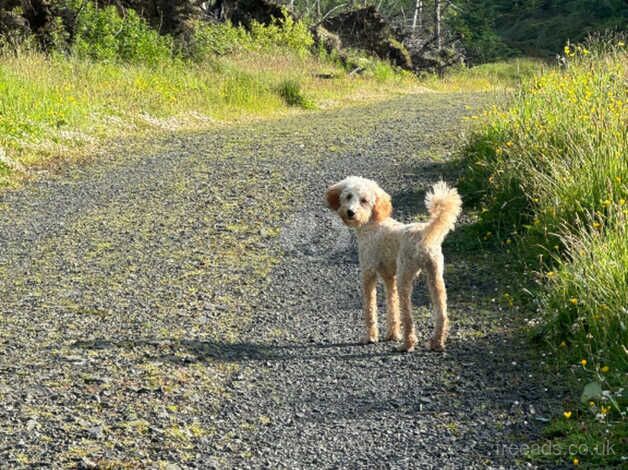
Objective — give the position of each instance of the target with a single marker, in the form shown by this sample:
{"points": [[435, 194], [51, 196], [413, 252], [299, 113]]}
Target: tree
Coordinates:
{"points": [[418, 16], [437, 25]]}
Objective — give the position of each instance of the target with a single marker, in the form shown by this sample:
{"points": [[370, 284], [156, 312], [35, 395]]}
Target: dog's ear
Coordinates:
{"points": [[383, 206], [333, 196]]}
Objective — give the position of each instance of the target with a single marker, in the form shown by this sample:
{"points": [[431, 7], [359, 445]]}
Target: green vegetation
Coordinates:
{"points": [[494, 76], [550, 176], [119, 77], [495, 29], [290, 91], [102, 34]]}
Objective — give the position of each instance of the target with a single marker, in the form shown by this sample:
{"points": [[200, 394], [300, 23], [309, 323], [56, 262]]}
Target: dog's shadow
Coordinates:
{"points": [[190, 351]]}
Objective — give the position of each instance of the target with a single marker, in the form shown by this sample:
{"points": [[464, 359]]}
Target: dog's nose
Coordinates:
{"points": [[350, 213]]}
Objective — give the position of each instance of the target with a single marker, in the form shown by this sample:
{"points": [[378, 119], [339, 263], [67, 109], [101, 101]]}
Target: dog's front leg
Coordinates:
{"points": [[369, 297], [392, 309]]}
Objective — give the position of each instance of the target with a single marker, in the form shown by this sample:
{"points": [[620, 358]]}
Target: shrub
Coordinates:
{"points": [[282, 33], [211, 39], [103, 34], [290, 91]]}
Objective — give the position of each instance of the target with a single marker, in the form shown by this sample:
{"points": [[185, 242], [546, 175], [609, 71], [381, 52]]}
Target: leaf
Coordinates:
{"points": [[591, 391]]}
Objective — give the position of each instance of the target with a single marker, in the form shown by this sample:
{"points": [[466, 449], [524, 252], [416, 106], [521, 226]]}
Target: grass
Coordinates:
{"points": [[549, 174], [486, 77], [67, 105], [60, 107]]}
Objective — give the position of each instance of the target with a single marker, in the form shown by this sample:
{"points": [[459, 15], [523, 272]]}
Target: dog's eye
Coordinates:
{"points": [[363, 200], [349, 196]]}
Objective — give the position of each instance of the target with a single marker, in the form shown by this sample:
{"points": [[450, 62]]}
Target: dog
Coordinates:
{"points": [[398, 253]]}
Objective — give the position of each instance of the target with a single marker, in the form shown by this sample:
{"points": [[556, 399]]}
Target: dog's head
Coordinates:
{"points": [[359, 201]]}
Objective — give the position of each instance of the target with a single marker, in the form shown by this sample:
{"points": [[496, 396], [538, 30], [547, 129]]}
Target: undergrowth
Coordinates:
{"points": [[118, 77], [549, 174]]}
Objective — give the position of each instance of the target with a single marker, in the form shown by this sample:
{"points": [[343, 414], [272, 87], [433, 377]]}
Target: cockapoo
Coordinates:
{"points": [[398, 253]]}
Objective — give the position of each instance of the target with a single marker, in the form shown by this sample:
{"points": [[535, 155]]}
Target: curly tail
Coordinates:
{"points": [[444, 205]]}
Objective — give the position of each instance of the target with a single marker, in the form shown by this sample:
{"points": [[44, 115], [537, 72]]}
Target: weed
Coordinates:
{"points": [[291, 92]]}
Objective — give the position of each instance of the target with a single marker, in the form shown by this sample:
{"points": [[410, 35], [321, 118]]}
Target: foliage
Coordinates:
{"points": [[550, 172], [211, 39], [291, 92], [60, 106], [282, 33], [493, 29], [493, 76], [550, 176], [103, 34]]}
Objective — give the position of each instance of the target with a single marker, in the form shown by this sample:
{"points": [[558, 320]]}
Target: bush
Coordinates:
{"points": [[551, 172], [211, 39], [103, 34], [282, 33], [290, 91]]}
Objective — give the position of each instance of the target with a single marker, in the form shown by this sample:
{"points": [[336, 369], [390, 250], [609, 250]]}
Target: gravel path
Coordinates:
{"points": [[194, 304]]}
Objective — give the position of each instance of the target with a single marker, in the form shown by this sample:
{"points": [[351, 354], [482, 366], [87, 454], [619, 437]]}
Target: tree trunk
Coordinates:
{"points": [[439, 39], [418, 16]]}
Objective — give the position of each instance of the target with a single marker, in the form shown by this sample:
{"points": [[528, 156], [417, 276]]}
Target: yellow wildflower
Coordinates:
{"points": [[551, 274], [567, 414], [596, 225], [605, 369], [583, 362], [576, 461], [563, 344], [605, 409], [573, 300]]}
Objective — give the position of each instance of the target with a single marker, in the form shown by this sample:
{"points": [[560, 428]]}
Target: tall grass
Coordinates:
{"points": [[551, 172], [486, 77], [119, 77], [550, 176]]}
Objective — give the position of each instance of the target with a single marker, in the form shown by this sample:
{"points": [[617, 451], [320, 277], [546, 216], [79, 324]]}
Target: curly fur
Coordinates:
{"points": [[398, 253]]}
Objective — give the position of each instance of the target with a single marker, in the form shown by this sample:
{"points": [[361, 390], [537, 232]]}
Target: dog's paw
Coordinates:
{"points": [[408, 345], [369, 339], [394, 335], [434, 344]]}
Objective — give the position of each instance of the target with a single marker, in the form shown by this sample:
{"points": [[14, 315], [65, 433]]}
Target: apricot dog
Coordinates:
{"points": [[398, 253]]}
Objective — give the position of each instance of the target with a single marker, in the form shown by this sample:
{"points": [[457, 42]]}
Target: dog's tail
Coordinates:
{"points": [[444, 205]]}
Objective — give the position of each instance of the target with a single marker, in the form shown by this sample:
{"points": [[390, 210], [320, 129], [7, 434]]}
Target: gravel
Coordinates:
{"points": [[191, 304]]}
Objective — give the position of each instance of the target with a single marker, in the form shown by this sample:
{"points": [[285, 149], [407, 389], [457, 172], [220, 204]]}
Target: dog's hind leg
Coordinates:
{"points": [[369, 297], [438, 294], [392, 309]]}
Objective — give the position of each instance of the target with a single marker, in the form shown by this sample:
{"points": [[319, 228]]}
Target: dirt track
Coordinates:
{"points": [[197, 305]]}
